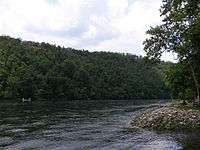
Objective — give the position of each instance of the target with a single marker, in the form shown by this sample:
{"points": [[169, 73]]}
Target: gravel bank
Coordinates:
{"points": [[168, 118]]}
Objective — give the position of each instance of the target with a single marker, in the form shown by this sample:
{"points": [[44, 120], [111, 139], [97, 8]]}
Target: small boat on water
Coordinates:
{"points": [[26, 100]]}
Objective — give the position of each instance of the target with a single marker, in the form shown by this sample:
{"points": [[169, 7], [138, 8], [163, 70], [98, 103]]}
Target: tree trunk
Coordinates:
{"points": [[196, 83]]}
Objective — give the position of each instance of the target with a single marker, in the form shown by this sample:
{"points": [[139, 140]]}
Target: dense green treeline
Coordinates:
{"points": [[44, 71]]}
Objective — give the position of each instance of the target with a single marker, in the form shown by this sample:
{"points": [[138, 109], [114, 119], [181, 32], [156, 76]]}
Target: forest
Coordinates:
{"points": [[46, 71], [43, 71]]}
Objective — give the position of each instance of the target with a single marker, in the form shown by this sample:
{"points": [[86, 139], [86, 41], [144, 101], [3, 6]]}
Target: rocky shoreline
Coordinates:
{"points": [[168, 117]]}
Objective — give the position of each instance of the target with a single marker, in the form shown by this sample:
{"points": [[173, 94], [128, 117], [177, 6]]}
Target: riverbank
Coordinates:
{"points": [[169, 117]]}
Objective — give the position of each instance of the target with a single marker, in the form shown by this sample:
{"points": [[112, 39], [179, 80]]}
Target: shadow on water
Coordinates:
{"points": [[83, 125], [191, 143]]}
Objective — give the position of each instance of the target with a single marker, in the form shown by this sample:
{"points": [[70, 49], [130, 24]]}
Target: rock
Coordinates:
{"points": [[168, 118]]}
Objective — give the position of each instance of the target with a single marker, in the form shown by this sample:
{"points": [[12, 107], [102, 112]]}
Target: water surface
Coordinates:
{"points": [[84, 125]]}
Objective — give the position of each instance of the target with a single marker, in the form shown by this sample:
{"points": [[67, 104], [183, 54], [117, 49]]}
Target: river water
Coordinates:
{"points": [[84, 125]]}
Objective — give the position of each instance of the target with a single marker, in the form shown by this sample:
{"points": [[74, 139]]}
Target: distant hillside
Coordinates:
{"points": [[41, 70]]}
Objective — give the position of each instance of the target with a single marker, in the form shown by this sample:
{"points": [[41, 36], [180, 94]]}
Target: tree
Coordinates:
{"points": [[45, 71], [180, 34]]}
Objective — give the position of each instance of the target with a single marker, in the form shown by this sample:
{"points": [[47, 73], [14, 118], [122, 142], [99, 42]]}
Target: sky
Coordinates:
{"points": [[94, 25]]}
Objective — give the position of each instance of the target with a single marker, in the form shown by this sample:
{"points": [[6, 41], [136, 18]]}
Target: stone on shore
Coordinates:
{"points": [[169, 118]]}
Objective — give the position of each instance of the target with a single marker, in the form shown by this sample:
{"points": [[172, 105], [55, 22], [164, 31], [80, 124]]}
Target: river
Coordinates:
{"points": [[84, 125]]}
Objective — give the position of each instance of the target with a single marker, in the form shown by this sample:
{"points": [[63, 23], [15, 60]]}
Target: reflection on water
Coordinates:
{"points": [[83, 125]]}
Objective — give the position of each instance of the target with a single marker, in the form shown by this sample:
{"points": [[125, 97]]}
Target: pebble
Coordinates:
{"points": [[170, 118]]}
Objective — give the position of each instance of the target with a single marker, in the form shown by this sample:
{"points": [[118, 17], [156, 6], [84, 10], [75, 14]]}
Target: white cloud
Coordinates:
{"points": [[114, 25]]}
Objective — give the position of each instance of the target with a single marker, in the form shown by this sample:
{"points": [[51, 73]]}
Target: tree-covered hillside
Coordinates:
{"points": [[44, 71]]}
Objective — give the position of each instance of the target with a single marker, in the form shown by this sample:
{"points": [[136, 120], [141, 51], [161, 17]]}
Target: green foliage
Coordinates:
{"points": [[180, 34], [177, 78], [44, 71]]}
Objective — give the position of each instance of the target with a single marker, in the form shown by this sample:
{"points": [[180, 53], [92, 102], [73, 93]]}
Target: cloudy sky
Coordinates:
{"points": [[95, 25]]}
